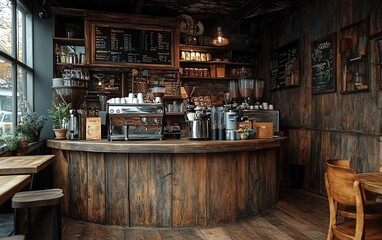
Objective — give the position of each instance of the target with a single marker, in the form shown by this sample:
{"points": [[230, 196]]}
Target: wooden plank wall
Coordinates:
{"points": [[331, 125]]}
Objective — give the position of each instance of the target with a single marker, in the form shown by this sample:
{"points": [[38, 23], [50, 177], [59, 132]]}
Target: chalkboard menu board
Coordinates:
{"points": [[285, 66], [125, 45], [323, 64]]}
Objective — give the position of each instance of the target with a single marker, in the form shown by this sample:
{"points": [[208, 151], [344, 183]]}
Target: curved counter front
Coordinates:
{"points": [[170, 183]]}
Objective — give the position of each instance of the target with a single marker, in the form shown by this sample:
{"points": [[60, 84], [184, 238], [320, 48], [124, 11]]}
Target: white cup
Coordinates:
{"points": [[265, 105], [131, 97], [117, 100], [191, 116], [270, 107], [140, 97], [256, 107], [135, 100], [158, 99]]}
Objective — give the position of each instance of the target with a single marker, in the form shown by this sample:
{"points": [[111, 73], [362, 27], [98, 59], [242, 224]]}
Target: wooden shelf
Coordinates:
{"points": [[69, 41], [218, 62], [208, 78], [212, 48], [174, 114], [172, 97]]}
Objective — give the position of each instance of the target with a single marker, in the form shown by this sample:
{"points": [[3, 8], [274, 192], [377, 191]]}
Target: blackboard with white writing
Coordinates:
{"points": [[122, 45], [323, 64], [280, 57]]}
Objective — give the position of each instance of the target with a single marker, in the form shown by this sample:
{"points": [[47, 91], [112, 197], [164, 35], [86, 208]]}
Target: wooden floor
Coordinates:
{"points": [[298, 215]]}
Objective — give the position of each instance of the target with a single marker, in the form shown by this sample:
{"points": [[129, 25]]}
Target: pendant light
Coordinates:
{"points": [[219, 39]]}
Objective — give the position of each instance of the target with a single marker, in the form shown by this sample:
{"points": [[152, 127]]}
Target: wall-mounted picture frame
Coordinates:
{"points": [[324, 64]]}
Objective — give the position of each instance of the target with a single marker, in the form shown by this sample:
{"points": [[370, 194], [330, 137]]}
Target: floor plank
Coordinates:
{"points": [[298, 215]]}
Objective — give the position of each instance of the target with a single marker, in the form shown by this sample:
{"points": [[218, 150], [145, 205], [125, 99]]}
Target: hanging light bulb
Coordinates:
{"points": [[220, 40]]}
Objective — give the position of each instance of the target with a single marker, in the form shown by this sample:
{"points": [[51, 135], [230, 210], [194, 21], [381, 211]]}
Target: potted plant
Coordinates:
{"points": [[9, 144], [59, 114], [245, 132], [30, 127]]}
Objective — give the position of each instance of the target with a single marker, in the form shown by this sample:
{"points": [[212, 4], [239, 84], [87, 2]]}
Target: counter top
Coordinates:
{"points": [[165, 146]]}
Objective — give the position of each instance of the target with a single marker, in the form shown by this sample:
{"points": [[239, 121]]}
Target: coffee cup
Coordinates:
{"points": [[265, 105], [270, 107]]}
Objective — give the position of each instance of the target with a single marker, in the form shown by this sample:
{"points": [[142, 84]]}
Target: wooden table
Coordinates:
{"points": [[11, 184], [30, 164], [371, 181]]}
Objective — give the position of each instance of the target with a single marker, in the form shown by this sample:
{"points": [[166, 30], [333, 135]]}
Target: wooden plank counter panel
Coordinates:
{"points": [[222, 189], [150, 190], [168, 189], [78, 182], [117, 185], [189, 188], [96, 188], [61, 179], [242, 185]]}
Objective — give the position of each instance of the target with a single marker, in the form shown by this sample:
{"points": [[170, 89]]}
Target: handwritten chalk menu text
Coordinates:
{"points": [[285, 66], [132, 46], [323, 65]]}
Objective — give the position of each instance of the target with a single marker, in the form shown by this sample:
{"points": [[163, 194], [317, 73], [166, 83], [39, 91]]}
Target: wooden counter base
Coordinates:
{"points": [[166, 184]]}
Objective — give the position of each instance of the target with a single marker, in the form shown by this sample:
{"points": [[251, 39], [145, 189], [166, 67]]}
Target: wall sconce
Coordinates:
{"points": [[44, 12]]}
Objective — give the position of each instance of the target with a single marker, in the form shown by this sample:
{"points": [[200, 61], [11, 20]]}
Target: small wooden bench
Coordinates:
{"points": [[12, 184]]}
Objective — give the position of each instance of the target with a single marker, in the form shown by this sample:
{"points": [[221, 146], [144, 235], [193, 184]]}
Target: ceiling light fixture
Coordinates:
{"points": [[219, 39]]}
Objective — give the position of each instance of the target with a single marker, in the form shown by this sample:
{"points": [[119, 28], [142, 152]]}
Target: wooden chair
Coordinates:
{"points": [[344, 188], [39, 198], [373, 209]]}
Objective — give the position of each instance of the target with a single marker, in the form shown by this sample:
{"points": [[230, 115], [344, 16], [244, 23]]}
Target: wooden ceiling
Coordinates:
{"points": [[230, 13]]}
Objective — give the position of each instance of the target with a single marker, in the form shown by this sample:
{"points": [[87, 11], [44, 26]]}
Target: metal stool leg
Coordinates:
{"points": [[56, 220]]}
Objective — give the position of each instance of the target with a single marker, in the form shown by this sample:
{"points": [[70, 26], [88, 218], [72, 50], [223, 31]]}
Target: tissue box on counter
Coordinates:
{"points": [[263, 129]]}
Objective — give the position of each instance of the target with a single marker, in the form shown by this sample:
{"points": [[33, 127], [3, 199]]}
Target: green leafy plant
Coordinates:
{"points": [[248, 132], [30, 127], [59, 113], [9, 143]]}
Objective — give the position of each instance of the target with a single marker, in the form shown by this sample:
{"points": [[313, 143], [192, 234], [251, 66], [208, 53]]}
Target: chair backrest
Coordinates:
{"points": [[344, 188], [339, 162]]}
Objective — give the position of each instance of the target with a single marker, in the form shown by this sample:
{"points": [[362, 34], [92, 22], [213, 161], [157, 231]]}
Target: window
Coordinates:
{"points": [[16, 61]]}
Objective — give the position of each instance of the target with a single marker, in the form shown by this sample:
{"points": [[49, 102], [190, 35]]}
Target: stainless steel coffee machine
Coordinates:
{"points": [[128, 121]]}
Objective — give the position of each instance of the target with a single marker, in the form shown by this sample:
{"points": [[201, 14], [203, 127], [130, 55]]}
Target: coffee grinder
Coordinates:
{"points": [[258, 91], [246, 89], [76, 96]]}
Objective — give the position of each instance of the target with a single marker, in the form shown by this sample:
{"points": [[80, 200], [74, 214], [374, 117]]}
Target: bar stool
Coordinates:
{"points": [[15, 237], [39, 198]]}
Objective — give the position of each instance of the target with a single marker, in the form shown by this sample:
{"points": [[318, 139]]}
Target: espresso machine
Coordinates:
{"points": [[135, 121]]}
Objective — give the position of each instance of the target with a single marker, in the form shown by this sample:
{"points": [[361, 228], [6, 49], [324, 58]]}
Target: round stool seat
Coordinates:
{"points": [[39, 198], [15, 237]]}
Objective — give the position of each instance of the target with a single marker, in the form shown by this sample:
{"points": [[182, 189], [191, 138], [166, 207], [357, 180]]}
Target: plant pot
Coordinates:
{"points": [[23, 144], [60, 134]]}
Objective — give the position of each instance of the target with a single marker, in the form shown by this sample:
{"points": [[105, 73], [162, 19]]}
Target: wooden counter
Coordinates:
{"points": [[171, 183]]}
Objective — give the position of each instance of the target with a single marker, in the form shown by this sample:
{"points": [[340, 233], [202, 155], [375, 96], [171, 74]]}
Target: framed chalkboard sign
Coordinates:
{"points": [[285, 66], [126, 44], [324, 64]]}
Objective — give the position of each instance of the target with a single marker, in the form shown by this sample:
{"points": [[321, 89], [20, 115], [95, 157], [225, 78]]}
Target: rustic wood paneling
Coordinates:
{"points": [[331, 125], [189, 190], [168, 190], [221, 185], [96, 188], [150, 190], [78, 181], [61, 177], [117, 189], [242, 184]]}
